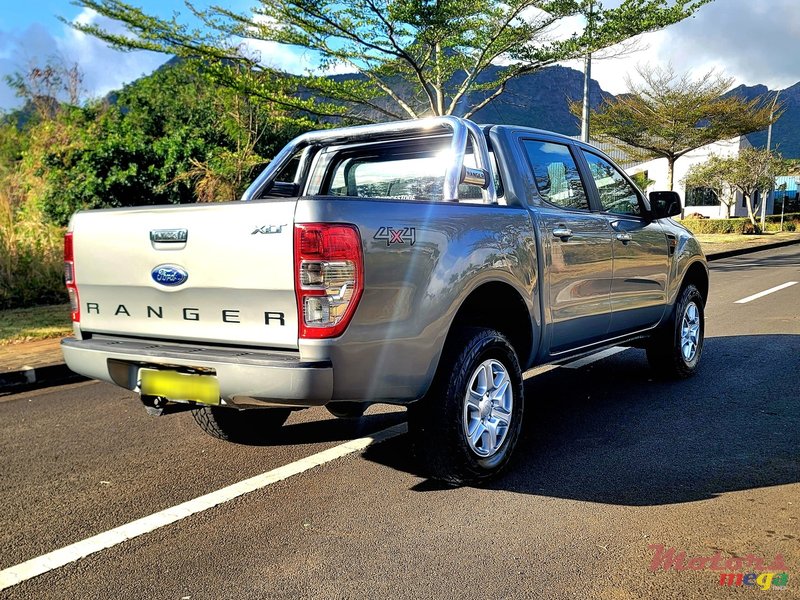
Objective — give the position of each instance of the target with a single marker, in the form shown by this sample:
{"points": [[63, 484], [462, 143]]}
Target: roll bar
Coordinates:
{"points": [[455, 172]]}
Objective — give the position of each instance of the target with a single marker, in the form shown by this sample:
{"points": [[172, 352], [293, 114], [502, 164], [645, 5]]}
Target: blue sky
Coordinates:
{"points": [[755, 41]]}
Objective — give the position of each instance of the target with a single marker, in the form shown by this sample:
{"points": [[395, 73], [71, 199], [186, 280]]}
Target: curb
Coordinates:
{"points": [[750, 249], [38, 377], [59, 374]]}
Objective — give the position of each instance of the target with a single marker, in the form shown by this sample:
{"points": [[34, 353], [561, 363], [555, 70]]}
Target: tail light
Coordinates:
{"points": [[69, 278], [329, 275]]}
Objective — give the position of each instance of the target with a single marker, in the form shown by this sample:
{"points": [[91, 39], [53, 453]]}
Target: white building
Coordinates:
{"points": [[697, 202]]}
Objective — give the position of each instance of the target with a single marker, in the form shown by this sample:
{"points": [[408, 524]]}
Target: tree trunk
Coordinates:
{"points": [[671, 182]]}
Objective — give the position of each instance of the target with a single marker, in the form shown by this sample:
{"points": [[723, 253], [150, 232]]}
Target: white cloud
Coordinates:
{"points": [[753, 42], [104, 69]]}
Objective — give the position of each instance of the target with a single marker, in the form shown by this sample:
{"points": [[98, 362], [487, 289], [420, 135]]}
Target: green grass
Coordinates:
{"points": [[38, 323]]}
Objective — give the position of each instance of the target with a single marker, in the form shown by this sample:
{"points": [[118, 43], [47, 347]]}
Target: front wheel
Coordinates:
{"points": [[675, 352], [249, 426], [467, 426]]}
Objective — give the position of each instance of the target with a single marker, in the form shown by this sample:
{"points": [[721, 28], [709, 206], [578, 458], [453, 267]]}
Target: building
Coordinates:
{"points": [[700, 200]]}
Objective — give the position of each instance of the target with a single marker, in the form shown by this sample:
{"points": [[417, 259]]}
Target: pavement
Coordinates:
{"points": [[612, 464], [39, 364]]}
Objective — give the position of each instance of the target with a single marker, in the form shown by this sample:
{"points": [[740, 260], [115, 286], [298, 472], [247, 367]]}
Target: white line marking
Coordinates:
{"points": [[538, 371], [777, 288], [63, 556], [587, 360]]}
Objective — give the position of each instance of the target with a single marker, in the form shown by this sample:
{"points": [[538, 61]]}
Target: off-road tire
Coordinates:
{"points": [[250, 426], [437, 422], [665, 351]]}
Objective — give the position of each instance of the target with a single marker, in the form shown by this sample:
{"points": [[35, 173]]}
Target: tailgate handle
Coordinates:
{"points": [[167, 239]]}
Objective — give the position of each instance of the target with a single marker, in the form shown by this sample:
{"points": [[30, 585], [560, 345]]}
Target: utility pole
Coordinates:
{"points": [[769, 147], [587, 78]]}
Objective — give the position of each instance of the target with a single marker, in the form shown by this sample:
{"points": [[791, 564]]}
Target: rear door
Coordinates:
{"points": [[576, 243], [215, 273], [641, 252]]}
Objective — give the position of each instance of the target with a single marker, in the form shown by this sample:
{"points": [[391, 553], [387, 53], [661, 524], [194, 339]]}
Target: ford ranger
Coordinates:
{"points": [[425, 263]]}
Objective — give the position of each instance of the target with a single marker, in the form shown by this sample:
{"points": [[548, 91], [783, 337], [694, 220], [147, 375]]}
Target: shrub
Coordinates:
{"points": [[715, 225], [31, 258]]}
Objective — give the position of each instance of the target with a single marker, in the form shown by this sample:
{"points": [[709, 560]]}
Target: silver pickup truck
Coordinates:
{"points": [[424, 263]]}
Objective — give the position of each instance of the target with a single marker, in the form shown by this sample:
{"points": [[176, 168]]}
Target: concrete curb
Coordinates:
{"points": [[37, 377], [59, 374], [750, 249]]}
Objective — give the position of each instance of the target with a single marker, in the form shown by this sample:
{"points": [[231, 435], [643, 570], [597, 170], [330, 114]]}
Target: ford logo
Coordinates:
{"points": [[170, 275]]}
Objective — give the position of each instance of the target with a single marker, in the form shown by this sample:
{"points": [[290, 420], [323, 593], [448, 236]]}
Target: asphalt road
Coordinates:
{"points": [[611, 461]]}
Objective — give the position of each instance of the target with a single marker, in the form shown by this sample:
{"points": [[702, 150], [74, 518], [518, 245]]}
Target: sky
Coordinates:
{"points": [[753, 41]]}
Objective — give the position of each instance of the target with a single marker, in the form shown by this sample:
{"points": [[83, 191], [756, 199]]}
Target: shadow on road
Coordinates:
{"points": [[610, 433], [746, 262]]}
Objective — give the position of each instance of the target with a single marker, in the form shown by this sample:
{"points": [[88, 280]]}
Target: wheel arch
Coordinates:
{"points": [[697, 274], [498, 305]]}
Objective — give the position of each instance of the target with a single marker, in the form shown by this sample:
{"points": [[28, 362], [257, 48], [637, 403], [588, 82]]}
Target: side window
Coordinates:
{"points": [[616, 194], [556, 174]]}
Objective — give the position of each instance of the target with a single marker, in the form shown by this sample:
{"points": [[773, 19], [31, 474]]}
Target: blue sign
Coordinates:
{"points": [[169, 275]]}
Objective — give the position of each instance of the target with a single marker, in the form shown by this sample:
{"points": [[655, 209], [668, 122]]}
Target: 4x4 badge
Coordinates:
{"points": [[400, 235]]}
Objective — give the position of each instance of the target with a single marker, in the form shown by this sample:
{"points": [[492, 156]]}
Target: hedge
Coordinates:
{"points": [[742, 225]]}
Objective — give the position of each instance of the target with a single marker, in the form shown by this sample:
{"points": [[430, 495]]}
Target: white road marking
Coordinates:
{"points": [[777, 288], [538, 371], [587, 360], [576, 364], [58, 558]]}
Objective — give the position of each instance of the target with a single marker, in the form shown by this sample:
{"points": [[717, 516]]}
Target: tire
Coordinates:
{"points": [[465, 429], [675, 351], [250, 426], [347, 410]]}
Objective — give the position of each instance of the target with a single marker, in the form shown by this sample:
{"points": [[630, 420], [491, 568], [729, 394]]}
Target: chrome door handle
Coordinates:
{"points": [[624, 237], [563, 233]]}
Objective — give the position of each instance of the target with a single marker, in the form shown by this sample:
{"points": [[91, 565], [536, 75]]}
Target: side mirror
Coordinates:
{"points": [[665, 204]]}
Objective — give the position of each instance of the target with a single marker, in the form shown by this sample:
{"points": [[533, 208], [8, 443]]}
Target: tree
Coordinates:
{"points": [[714, 175], [750, 172], [409, 58], [667, 115]]}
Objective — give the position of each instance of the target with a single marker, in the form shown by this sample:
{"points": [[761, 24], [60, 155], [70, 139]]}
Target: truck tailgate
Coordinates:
{"points": [[221, 273]]}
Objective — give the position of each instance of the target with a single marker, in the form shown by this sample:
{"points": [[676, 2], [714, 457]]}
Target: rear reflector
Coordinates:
{"points": [[329, 277]]}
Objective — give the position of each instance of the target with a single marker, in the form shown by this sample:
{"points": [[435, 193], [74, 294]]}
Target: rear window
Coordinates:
{"points": [[396, 173]]}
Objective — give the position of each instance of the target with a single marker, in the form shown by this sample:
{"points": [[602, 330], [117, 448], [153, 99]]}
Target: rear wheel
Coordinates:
{"points": [[244, 426], [675, 351], [467, 426]]}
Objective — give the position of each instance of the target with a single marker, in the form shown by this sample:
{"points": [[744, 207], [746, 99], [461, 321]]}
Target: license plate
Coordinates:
{"points": [[179, 386]]}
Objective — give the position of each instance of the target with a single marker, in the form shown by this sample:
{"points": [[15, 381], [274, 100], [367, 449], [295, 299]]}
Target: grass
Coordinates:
{"points": [[738, 238], [38, 323]]}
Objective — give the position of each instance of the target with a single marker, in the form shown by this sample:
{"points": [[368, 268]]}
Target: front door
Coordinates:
{"points": [[641, 251]]}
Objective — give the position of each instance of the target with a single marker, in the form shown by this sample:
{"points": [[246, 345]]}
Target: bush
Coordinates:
{"points": [[716, 225], [741, 225], [31, 258]]}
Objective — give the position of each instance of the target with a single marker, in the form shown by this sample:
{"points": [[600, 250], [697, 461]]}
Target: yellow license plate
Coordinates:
{"points": [[179, 386]]}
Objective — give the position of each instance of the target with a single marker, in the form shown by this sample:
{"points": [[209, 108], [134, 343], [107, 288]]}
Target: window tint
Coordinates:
{"points": [[616, 194], [556, 174]]}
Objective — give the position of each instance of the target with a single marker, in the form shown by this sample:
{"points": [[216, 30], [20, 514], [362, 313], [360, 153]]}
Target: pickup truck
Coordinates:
{"points": [[425, 263]]}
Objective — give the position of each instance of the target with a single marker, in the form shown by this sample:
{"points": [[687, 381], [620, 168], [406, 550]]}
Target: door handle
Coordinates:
{"points": [[624, 237], [563, 233]]}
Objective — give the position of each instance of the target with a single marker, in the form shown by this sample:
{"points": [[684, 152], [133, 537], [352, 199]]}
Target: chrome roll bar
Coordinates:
{"points": [[455, 172]]}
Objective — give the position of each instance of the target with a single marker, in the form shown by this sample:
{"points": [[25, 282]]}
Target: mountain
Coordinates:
{"points": [[786, 130]]}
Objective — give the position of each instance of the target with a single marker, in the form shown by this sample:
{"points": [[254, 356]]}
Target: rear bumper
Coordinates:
{"points": [[246, 377]]}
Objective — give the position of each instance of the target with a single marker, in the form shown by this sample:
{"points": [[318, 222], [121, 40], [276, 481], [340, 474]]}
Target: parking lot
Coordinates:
{"points": [[612, 461]]}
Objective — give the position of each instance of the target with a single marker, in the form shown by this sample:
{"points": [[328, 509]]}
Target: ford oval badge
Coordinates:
{"points": [[169, 275]]}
